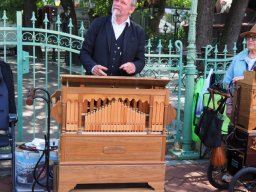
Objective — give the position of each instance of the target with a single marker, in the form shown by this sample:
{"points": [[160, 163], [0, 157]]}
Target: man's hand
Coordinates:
{"points": [[128, 67], [99, 70], [237, 78]]}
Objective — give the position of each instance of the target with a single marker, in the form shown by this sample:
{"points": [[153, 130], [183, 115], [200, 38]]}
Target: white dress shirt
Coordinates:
{"points": [[119, 28]]}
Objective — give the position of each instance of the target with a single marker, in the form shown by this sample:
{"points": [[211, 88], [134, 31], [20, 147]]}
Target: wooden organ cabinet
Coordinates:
{"points": [[246, 102], [243, 140], [112, 130]]}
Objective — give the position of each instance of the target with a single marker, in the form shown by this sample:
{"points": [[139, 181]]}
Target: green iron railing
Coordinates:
{"points": [[161, 62], [32, 73], [46, 40], [166, 62], [218, 61]]}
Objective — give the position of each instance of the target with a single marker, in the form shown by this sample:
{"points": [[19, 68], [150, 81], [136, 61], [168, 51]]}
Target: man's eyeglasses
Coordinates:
{"points": [[251, 37]]}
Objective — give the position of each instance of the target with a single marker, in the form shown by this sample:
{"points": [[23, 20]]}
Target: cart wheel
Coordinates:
{"points": [[215, 176], [244, 180]]}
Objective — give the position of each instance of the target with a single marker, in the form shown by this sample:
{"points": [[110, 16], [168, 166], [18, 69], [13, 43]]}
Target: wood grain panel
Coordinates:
{"points": [[98, 148], [153, 174]]}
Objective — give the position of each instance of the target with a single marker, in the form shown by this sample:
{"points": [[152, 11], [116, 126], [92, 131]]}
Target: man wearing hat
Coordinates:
{"points": [[244, 61]]}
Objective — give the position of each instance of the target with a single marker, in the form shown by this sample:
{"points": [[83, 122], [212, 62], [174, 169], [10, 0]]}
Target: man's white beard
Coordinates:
{"points": [[117, 13]]}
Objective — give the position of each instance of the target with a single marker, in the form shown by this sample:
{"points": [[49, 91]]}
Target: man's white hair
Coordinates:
{"points": [[134, 2]]}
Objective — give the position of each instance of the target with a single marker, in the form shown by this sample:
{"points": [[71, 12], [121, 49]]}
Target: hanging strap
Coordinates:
{"points": [[213, 101], [221, 106], [223, 99], [209, 100]]}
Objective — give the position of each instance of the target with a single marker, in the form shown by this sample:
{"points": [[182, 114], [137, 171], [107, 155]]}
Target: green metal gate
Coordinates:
{"points": [[59, 51], [50, 42]]}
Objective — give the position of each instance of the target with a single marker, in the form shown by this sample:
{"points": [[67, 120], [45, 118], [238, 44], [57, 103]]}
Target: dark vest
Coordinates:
{"points": [[4, 103], [115, 58]]}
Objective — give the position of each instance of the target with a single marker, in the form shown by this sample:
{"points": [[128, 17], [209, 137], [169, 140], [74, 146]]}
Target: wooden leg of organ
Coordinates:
{"points": [[157, 186], [71, 175]]}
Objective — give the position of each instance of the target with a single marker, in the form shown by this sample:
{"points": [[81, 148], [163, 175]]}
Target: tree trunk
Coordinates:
{"points": [[233, 23], [157, 14], [29, 7], [204, 29]]}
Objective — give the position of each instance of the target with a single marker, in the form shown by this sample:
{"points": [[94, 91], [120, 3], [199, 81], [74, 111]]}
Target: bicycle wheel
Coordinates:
{"points": [[244, 180], [215, 176]]}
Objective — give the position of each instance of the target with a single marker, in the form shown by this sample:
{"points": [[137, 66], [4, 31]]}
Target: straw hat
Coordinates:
{"points": [[248, 33]]}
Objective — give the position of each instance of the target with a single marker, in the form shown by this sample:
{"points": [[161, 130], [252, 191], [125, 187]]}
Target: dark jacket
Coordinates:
{"points": [[96, 47], [8, 79]]}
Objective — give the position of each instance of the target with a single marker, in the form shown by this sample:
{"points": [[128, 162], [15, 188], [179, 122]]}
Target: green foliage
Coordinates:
{"points": [[182, 35], [168, 18], [39, 3], [179, 3], [103, 7], [11, 6]]}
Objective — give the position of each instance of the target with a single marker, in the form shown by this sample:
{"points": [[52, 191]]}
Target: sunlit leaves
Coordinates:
{"points": [[179, 3], [11, 6], [103, 7]]}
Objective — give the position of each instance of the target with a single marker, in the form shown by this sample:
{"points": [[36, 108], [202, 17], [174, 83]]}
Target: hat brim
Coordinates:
{"points": [[247, 33]]}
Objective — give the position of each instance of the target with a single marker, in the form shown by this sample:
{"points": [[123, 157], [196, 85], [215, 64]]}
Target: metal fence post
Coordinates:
{"points": [[19, 73], [190, 72]]}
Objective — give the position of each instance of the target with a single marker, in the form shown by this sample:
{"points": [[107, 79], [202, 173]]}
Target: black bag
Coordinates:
{"points": [[208, 128]]}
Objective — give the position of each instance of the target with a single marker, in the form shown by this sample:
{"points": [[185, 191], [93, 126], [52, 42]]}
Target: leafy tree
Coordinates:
{"points": [[102, 7], [205, 15], [179, 3], [11, 6]]}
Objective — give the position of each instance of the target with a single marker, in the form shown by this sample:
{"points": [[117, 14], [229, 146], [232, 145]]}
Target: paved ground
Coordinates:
{"points": [[181, 176]]}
